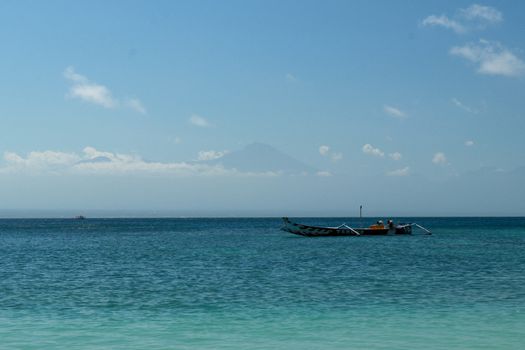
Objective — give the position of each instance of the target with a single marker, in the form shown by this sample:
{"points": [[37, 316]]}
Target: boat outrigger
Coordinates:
{"points": [[344, 230]]}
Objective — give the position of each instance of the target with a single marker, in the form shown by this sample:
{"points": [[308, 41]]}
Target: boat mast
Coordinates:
{"points": [[360, 212]]}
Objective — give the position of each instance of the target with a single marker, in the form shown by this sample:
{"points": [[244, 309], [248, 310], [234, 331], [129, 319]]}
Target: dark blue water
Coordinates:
{"points": [[242, 283]]}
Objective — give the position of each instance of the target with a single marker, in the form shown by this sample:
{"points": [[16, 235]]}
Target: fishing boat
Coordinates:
{"points": [[377, 229]]}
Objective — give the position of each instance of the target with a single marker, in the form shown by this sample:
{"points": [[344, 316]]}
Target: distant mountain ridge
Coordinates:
{"points": [[259, 157]]}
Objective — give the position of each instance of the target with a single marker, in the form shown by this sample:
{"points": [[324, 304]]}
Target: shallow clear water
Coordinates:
{"points": [[242, 283]]}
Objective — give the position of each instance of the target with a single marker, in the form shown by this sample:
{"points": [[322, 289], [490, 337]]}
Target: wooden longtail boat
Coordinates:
{"points": [[345, 230]]}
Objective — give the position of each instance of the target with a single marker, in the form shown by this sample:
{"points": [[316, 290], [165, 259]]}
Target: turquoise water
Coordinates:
{"points": [[243, 284]]}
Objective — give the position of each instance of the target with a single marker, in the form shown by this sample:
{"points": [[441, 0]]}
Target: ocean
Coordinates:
{"points": [[244, 284]]}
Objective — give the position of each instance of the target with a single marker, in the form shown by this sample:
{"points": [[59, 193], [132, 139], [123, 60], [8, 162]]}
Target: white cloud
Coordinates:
{"points": [[95, 162], [394, 112], [370, 150], [482, 13], [87, 91], [439, 158], [395, 156], [463, 106], [210, 155], [46, 160], [199, 121], [324, 173], [473, 17], [83, 89], [92, 154], [177, 140], [399, 172], [136, 105], [103, 162], [469, 143], [443, 21], [492, 58], [323, 150], [71, 75]]}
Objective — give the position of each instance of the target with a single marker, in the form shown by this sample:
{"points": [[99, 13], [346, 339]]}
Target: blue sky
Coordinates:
{"points": [[123, 105]]}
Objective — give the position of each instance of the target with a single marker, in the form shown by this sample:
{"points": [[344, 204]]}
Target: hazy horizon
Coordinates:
{"points": [[226, 214]]}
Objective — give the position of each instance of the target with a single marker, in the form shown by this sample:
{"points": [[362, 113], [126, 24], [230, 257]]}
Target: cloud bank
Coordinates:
{"points": [[93, 161]]}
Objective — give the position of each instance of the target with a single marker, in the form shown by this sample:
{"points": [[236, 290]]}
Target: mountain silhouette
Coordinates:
{"points": [[260, 157]]}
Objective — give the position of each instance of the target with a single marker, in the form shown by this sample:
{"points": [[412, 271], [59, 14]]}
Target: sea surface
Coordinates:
{"points": [[244, 284]]}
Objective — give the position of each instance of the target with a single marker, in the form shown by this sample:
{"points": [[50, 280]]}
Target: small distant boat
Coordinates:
{"points": [[80, 217], [344, 230]]}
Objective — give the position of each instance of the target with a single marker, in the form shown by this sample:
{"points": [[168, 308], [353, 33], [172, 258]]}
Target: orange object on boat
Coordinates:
{"points": [[377, 227]]}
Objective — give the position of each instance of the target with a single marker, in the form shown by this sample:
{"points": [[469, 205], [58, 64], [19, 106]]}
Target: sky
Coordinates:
{"points": [[408, 108]]}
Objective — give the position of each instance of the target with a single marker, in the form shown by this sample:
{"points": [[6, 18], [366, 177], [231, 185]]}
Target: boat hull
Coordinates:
{"points": [[315, 231]]}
